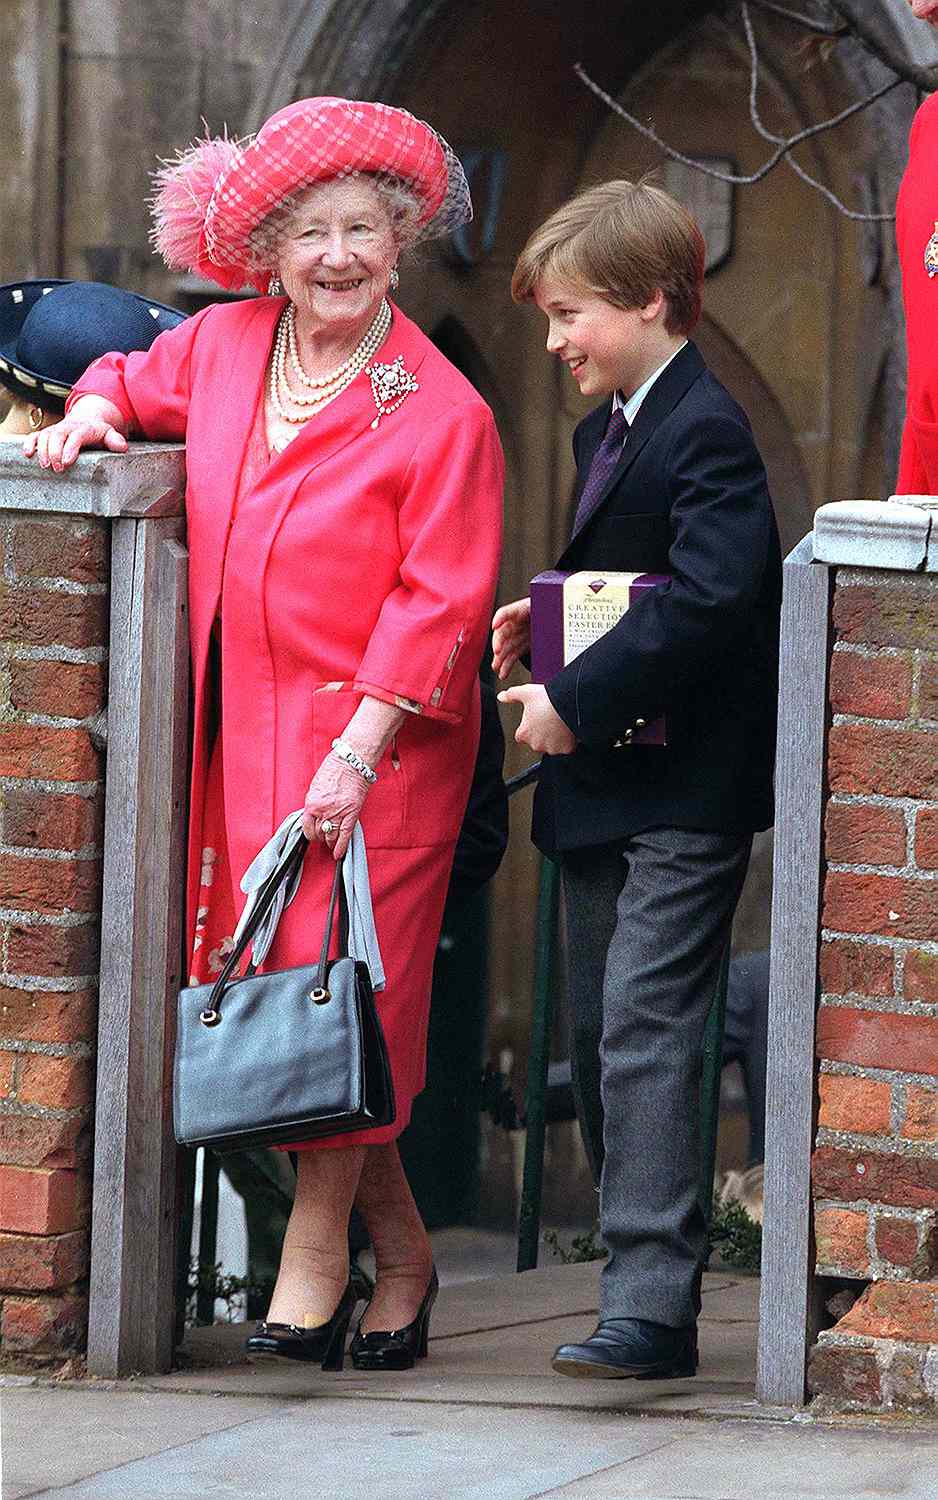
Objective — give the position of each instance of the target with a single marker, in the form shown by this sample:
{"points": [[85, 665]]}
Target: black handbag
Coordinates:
{"points": [[266, 1059]]}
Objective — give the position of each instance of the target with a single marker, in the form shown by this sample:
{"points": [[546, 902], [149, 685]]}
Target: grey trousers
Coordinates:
{"points": [[647, 921]]}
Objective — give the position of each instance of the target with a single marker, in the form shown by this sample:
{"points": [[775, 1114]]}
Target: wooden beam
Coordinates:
{"points": [[787, 1317], [132, 1293]]}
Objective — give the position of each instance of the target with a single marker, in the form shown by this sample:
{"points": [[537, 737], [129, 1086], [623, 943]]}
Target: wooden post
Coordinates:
{"points": [[131, 1318], [787, 1315]]}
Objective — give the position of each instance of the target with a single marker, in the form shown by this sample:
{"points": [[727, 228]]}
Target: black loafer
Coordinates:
{"points": [[631, 1349]]}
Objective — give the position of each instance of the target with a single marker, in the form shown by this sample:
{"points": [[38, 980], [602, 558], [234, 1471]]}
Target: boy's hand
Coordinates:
{"points": [[541, 726], [511, 636]]}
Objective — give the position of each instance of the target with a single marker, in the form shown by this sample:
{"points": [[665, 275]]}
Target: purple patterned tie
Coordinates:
{"points": [[605, 458]]}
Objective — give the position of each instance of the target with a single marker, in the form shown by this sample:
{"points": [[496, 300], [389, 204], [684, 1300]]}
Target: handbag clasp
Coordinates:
{"points": [[320, 996], [210, 1017]]}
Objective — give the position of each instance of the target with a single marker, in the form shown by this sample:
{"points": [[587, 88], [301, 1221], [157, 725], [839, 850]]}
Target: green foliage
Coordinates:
{"points": [[583, 1247], [735, 1236], [208, 1281]]}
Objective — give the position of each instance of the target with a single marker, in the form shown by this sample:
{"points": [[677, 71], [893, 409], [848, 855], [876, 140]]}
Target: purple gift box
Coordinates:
{"points": [[569, 611]]}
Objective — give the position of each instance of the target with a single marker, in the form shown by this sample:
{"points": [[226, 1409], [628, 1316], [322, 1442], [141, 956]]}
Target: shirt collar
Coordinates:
{"points": [[630, 408]]}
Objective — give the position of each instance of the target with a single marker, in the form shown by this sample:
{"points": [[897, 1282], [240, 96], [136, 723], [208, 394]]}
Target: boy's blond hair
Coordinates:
{"points": [[622, 240]]}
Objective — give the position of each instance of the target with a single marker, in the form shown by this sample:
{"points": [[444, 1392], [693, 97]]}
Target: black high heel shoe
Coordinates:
{"points": [[324, 1345], [400, 1349]]}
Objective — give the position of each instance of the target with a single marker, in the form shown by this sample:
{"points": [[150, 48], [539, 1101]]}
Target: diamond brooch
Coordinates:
{"points": [[390, 385]]}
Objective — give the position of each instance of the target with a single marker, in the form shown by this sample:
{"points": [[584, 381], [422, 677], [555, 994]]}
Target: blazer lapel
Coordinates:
{"points": [[664, 395]]}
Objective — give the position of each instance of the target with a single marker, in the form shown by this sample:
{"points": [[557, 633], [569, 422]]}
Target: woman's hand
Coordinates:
{"points": [[93, 422], [336, 795], [511, 636]]}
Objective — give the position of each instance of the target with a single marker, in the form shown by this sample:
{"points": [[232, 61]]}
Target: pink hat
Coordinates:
{"points": [[210, 201]]}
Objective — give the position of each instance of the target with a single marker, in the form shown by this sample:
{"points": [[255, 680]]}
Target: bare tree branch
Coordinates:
{"points": [[821, 28], [855, 22], [748, 179], [775, 140]]}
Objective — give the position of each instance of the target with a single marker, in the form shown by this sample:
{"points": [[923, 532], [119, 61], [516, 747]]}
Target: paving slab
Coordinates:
{"points": [[54, 1436]]}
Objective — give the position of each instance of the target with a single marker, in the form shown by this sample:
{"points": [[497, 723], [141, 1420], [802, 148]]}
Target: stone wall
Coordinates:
{"points": [[54, 632], [876, 1159]]}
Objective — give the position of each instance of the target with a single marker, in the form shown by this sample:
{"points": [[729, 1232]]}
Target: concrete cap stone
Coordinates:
{"points": [[894, 533], [147, 480]]}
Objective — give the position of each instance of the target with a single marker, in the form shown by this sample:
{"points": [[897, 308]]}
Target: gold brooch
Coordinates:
{"points": [[390, 385]]}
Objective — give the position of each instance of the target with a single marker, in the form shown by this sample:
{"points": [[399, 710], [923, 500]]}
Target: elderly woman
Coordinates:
{"points": [[344, 514]]}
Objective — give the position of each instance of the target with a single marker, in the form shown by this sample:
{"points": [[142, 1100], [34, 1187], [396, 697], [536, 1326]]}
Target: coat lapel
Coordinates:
{"points": [[664, 395]]}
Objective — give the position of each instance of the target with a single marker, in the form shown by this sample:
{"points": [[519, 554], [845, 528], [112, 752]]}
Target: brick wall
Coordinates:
{"points": [[876, 1159], [53, 640]]}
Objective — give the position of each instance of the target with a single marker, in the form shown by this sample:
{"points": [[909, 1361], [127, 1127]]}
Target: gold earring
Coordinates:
{"points": [[36, 415]]}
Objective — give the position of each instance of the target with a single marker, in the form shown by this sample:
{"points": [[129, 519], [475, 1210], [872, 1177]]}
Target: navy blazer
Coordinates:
{"points": [[688, 497]]}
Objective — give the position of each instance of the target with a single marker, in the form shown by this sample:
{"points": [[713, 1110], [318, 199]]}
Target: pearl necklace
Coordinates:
{"points": [[330, 386]]}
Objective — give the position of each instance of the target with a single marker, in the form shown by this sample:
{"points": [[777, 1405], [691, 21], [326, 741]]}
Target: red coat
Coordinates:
{"points": [[916, 234], [365, 557]]}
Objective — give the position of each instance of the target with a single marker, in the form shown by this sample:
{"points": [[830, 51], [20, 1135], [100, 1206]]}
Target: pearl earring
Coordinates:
{"points": [[394, 280], [275, 287]]}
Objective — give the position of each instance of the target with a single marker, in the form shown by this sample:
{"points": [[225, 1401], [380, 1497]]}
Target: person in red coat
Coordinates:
{"points": [[917, 240], [344, 487]]}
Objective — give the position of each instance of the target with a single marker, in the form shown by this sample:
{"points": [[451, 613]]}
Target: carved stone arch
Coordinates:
{"points": [[453, 339], [350, 47]]}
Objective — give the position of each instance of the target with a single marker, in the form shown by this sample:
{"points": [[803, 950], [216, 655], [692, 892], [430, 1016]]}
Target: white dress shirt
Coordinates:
{"points": [[630, 407]]}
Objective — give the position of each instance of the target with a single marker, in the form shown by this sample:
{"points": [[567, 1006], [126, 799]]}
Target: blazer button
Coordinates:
{"points": [[640, 723]]}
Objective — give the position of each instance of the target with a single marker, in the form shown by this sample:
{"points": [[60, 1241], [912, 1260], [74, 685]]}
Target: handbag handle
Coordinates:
{"points": [[211, 1015]]}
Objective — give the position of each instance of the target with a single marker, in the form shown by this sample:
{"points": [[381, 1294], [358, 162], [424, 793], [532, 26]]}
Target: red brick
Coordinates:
{"points": [[57, 1082], [856, 968], [44, 820], [7, 1060], [928, 691], [897, 1241], [48, 754], [28, 883], [53, 952], [864, 834], [840, 1236], [42, 1263], [865, 758], [881, 905], [33, 1201], [904, 1310], [31, 1141], [50, 549], [883, 615], [48, 1015], [926, 839], [921, 1114], [862, 1105], [845, 1375], [44, 617], [66, 690], [43, 1325], [878, 1038], [855, 1175], [921, 976], [874, 687]]}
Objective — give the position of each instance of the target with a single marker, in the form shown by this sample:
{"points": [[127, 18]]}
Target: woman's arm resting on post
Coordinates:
{"points": [[93, 422]]}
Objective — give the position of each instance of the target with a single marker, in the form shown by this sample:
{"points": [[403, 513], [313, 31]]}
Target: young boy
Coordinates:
{"points": [[653, 841]]}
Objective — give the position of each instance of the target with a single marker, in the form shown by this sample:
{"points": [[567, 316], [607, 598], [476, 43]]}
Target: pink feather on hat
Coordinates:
{"points": [[183, 191]]}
